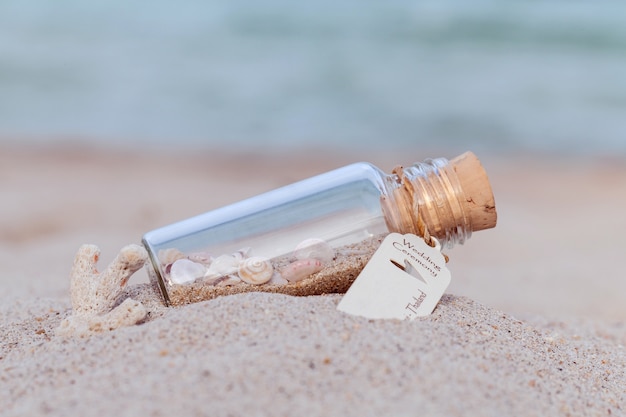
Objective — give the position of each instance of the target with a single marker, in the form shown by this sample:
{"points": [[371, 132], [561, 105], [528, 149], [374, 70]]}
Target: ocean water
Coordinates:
{"points": [[496, 75]]}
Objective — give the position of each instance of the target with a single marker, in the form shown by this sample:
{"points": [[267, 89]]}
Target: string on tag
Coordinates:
{"points": [[416, 215]]}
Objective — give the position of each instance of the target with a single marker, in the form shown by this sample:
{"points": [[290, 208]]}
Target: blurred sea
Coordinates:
{"points": [[499, 75]]}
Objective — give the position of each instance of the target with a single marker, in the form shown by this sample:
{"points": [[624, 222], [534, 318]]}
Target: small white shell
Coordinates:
{"points": [[277, 279], [256, 270], [184, 271], [242, 253], [224, 265], [315, 249], [204, 258], [169, 256], [230, 280], [300, 269], [212, 277]]}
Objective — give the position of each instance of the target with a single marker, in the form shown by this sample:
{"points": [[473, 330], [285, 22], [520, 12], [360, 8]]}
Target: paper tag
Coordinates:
{"points": [[405, 279]]}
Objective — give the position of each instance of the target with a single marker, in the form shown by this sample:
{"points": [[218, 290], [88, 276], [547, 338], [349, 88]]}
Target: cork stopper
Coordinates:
{"points": [[479, 201], [445, 199]]}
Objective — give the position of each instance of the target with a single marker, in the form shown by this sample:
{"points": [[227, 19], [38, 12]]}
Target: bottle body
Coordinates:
{"points": [[310, 237], [335, 210]]}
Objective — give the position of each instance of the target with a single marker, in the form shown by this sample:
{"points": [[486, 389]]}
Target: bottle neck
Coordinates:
{"points": [[427, 197]]}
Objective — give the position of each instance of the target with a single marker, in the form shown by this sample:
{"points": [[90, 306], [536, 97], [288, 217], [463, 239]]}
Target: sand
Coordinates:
{"points": [[533, 323]]}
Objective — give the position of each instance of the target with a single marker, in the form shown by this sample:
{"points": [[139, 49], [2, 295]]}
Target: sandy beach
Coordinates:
{"points": [[534, 322]]}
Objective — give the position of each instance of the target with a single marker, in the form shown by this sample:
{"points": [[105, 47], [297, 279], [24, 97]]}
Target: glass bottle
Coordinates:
{"points": [[316, 235]]}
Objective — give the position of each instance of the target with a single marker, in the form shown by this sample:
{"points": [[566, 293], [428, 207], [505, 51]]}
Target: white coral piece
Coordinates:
{"points": [[94, 294]]}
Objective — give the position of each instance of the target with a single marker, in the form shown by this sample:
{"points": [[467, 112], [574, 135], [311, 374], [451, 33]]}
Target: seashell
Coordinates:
{"points": [[277, 279], [228, 281], [212, 277], [169, 256], [315, 249], [300, 269], [256, 270], [184, 271], [204, 258], [224, 265], [242, 253]]}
